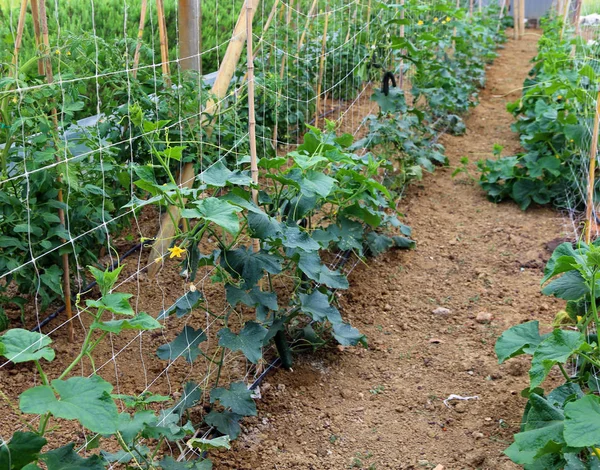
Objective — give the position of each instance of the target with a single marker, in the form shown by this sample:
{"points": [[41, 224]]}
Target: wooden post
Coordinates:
{"points": [[589, 208], [402, 34], [251, 115], [522, 19], [61, 214], [170, 220], [321, 69], [138, 46], [479, 6], [515, 12], [164, 41], [306, 24], [38, 35], [188, 17], [577, 17], [19, 38], [502, 7], [565, 14], [282, 72], [470, 7]]}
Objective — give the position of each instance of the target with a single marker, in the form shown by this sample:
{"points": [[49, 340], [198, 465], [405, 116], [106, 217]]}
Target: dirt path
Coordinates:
{"points": [[382, 408]]}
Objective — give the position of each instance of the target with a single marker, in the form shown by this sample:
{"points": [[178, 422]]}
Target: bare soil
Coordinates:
{"points": [[383, 408]]}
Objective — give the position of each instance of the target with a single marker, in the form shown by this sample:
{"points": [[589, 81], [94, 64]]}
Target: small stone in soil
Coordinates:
{"points": [[441, 311], [483, 317]]}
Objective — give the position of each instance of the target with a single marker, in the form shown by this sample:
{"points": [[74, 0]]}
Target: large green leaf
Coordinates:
{"points": [[142, 322], [169, 463], [562, 251], [226, 422], [310, 264], [316, 183], [556, 348], [249, 341], [65, 458], [183, 305], [216, 210], [570, 286], [264, 226], [184, 345], [23, 448], [85, 399], [116, 303], [19, 345], [296, 238], [347, 335], [317, 306], [582, 422], [238, 399], [219, 175], [250, 266], [130, 426], [519, 339]]}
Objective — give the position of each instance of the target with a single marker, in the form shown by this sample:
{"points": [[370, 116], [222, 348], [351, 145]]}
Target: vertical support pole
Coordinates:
{"points": [[479, 6], [402, 34], [321, 69], [589, 208], [577, 17], [61, 214], [188, 18], [36, 31], [19, 38], [138, 46], [515, 12], [169, 220], [306, 24], [522, 19], [565, 15], [282, 73], [251, 114], [470, 7], [164, 42]]}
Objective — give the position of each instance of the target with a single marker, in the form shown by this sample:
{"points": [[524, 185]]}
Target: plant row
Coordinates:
{"points": [[327, 195]]}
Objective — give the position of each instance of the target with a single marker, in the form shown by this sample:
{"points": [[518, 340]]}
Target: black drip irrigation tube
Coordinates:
{"points": [[55, 314]]}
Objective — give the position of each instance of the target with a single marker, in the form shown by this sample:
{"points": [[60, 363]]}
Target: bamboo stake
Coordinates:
{"points": [[281, 74], [261, 39], [479, 7], [321, 69], [565, 14], [188, 14], [61, 214], [164, 41], [306, 24], [368, 18], [577, 17], [19, 38], [251, 114], [504, 5], [170, 220], [522, 19], [515, 13], [138, 46], [36, 31], [589, 209], [470, 7], [402, 34]]}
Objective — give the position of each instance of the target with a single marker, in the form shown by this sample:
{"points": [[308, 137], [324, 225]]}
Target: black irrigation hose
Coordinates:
{"points": [[52, 316]]}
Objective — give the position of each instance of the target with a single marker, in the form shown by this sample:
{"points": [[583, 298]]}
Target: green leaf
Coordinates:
{"points": [[183, 305], [218, 211], [264, 226], [561, 251], [226, 422], [296, 238], [142, 322], [238, 399], [316, 183], [22, 449], [582, 422], [52, 278], [378, 243], [65, 458], [249, 341], [169, 463], [131, 426], [19, 345], [105, 279], [218, 175], [570, 286], [191, 394], [317, 306], [310, 264], [184, 345], [116, 303], [347, 335], [85, 399], [250, 266], [556, 348], [208, 444], [519, 339], [543, 427]]}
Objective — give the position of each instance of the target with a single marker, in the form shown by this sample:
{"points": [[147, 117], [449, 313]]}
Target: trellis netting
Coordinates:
{"points": [[185, 189]]}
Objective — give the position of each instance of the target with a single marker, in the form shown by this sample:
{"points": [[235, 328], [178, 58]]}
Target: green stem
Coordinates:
{"points": [[564, 372]]}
